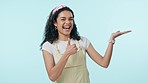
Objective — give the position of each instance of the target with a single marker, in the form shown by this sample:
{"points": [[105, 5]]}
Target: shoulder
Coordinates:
{"points": [[83, 39], [84, 42], [47, 46]]}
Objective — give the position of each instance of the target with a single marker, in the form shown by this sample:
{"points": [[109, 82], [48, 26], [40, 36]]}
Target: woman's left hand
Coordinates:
{"points": [[118, 33]]}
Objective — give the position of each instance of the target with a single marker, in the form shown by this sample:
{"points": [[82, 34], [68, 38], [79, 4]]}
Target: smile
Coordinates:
{"points": [[66, 27]]}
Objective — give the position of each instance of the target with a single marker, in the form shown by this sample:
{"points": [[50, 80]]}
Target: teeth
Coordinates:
{"points": [[66, 27]]}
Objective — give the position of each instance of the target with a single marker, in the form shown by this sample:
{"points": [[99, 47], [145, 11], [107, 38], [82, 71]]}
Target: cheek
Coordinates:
{"points": [[59, 24], [72, 25]]}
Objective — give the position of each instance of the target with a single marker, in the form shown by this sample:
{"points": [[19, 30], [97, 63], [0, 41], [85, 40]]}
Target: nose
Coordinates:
{"points": [[67, 21]]}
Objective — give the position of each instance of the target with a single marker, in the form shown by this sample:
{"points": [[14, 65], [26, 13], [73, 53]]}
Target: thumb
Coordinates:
{"points": [[68, 42]]}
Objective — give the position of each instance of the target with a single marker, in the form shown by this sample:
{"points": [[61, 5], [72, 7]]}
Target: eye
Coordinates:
{"points": [[62, 19], [71, 19]]}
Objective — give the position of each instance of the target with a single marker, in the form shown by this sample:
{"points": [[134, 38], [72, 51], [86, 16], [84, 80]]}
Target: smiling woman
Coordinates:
{"points": [[64, 24], [64, 50]]}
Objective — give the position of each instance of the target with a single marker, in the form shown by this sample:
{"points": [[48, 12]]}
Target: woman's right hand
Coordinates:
{"points": [[71, 49]]}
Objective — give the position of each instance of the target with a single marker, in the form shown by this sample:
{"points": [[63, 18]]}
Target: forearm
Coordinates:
{"points": [[56, 71], [108, 55]]}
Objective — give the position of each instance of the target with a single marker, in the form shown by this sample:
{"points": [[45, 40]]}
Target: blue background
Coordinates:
{"points": [[22, 24]]}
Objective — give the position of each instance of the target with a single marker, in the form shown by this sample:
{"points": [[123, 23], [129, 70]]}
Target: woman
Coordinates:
{"points": [[64, 50]]}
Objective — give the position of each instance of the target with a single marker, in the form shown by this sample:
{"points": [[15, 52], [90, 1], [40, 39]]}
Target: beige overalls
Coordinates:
{"points": [[75, 70]]}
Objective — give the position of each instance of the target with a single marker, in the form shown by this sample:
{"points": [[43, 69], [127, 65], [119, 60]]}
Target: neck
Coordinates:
{"points": [[63, 37]]}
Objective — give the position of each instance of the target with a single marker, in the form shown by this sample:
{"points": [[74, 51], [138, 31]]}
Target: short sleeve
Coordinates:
{"points": [[86, 42], [47, 47]]}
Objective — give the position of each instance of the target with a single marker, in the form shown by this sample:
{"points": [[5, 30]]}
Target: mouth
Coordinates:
{"points": [[66, 27]]}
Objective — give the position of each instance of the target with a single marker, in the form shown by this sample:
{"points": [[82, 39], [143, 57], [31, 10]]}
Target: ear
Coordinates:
{"points": [[55, 23]]}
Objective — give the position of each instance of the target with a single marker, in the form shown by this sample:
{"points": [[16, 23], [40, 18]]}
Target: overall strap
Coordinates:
{"points": [[80, 47], [58, 55]]}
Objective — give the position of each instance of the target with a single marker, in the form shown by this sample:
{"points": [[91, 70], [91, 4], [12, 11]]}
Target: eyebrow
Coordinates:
{"points": [[65, 17]]}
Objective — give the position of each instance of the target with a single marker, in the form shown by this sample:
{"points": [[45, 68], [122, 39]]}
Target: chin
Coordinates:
{"points": [[66, 34]]}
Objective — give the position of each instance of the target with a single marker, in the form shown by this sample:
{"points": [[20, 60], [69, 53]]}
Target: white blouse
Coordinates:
{"points": [[62, 45]]}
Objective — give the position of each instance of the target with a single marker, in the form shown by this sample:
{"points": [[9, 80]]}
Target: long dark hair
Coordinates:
{"points": [[51, 34]]}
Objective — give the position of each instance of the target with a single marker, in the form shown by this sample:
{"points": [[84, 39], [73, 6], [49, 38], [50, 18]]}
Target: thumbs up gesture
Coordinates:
{"points": [[71, 49]]}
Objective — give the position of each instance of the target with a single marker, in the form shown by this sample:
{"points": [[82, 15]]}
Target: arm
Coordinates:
{"points": [[54, 71], [99, 59]]}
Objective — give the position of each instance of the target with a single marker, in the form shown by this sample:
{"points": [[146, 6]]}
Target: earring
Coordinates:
{"points": [[55, 28]]}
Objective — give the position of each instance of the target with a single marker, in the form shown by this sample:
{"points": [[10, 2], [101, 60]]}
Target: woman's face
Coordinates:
{"points": [[64, 23]]}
